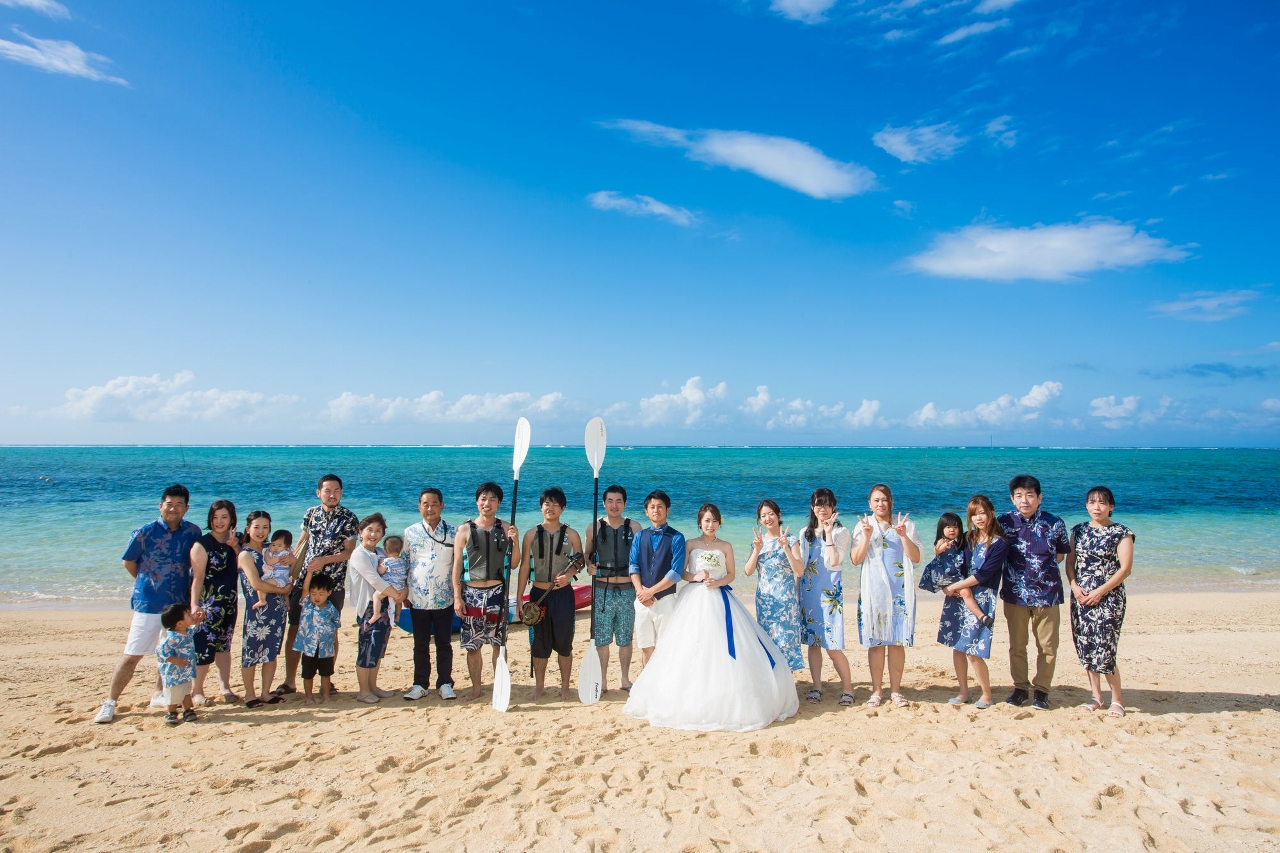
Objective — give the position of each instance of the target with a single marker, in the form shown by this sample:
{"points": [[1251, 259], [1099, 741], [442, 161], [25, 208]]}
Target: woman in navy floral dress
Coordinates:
{"points": [[264, 628], [1101, 559]]}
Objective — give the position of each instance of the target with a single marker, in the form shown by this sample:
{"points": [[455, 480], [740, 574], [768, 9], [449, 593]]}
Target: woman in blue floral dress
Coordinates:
{"points": [[781, 564], [983, 562], [825, 544], [1101, 559], [263, 628]]}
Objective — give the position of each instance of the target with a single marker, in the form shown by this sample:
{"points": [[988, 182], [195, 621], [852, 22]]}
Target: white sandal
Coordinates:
{"points": [[1092, 705], [899, 701], [1114, 712]]}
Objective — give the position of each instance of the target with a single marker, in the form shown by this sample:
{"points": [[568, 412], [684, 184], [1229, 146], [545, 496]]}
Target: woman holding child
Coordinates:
{"points": [[887, 548], [263, 627], [214, 568], [363, 581]]}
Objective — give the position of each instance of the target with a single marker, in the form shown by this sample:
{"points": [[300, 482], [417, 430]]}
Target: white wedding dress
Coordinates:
{"points": [[698, 679]]}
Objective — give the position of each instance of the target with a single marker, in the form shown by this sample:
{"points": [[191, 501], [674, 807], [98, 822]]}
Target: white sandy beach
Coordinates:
{"points": [[1192, 768]]}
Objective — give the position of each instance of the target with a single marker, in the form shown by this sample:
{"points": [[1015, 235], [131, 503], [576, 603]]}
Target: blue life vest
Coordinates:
{"points": [[654, 565]]}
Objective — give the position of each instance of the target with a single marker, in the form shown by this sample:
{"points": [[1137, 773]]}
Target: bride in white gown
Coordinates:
{"points": [[714, 668]]}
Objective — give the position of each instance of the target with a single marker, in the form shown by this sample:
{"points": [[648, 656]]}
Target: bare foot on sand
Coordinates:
{"points": [[564, 693], [309, 701]]}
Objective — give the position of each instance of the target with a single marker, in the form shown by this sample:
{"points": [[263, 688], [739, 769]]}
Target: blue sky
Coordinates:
{"points": [[713, 221]]}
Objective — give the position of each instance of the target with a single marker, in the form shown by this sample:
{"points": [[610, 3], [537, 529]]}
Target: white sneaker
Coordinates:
{"points": [[417, 691], [107, 713], [158, 701], [446, 692]]}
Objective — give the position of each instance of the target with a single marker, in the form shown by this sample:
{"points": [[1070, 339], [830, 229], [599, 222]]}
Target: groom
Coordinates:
{"points": [[656, 565]]}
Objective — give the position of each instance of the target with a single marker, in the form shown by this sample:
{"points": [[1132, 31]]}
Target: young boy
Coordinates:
{"points": [[549, 552], [176, 658], [656, 565], [317, 635], [277, 572], [394, 570]]}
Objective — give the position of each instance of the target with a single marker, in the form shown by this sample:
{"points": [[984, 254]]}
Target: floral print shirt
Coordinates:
{"points": [[1031, 576], [327, 534], [164, 565], [318, 630], [430, 556], [176, 645]]}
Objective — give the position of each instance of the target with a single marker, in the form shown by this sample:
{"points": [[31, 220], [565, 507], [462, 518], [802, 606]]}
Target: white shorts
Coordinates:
{"points": [[175, 694], [649, 620], [144, 634]]}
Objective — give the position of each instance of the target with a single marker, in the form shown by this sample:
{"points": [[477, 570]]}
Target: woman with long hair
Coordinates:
{"points": [[263, 627], [969, 637], [825, 545]]}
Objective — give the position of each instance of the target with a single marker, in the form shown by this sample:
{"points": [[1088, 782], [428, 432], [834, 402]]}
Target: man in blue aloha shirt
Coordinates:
{"points": [[159, 560], [331, 530], [1032, 589]]}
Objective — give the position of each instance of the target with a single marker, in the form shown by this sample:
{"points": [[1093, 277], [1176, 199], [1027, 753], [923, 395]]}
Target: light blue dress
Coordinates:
{"points": [[778, 601], [886, 549], [822, 595]]}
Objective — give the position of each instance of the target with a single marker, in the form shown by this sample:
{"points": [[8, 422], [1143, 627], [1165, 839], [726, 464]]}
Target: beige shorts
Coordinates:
{"points": [[649, 620], [175, 694]]}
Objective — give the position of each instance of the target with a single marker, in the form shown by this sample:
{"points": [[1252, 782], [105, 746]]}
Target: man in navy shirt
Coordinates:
{"points": [[656, 565], [159, 559], [1032, 588]]}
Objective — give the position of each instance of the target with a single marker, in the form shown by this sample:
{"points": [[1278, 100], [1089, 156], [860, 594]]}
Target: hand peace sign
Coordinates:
{"points": [[757, 540], [900, 525], [867, 527]]}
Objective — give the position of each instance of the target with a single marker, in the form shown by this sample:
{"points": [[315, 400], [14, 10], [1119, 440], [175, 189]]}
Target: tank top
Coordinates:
{"points": [[221, 570], [486, 553]]}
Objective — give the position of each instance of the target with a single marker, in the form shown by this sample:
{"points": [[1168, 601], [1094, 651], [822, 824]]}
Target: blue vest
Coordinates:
{"points": [[654, 565]]}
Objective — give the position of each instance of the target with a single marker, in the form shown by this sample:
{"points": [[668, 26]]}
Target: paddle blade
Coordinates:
{"points": [[589, 682], [501, 681], [522, 446], [595, 443]]}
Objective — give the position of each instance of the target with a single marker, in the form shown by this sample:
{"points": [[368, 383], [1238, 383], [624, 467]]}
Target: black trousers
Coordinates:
{"points": [[432, 626]]}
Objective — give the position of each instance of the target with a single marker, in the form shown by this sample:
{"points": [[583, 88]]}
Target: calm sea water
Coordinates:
{"points": [[1204, 519]]}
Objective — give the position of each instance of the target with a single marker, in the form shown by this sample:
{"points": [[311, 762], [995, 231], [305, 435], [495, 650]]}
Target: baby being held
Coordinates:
{"points": [[276, 559], [947, 567], [394, 570]]}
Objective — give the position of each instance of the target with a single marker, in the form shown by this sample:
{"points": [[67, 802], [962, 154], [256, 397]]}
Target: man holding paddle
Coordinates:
{"points": [[551, 551], [479, 591], [614, 599]]}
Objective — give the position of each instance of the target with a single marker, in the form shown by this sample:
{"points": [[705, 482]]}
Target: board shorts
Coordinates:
{"points": [[555, 631], [485, 619], [649, 620], [615, 613]]}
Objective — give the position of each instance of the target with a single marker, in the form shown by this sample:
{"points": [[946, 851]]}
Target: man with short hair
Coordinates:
{"points": [[429, 550], [549, 550], [656, 565], [479, 587], [331, 530], [608, 550], [159, 560], [1032, 589]]}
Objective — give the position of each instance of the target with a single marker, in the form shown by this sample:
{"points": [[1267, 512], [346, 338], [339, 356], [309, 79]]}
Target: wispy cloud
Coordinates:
{"points": [[971, 30], [799, 413], [1002, 411], [805, 11], [787, 162], [44, 7], [641, 205], [434, 407], [998, 130], [1021, 52], [1124, 412], [904, 208], [57, 57], [920, 144], [986, 7], [156, 399], [1215, 176], [1207, 306], [1111, 196], [1044, 252]]}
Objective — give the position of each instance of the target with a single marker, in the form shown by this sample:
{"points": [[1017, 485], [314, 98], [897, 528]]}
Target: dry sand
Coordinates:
{"points": [[1192, 768]]}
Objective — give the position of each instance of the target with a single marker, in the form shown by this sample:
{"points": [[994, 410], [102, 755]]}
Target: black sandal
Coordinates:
{"points": [[284, 690], [275, 700], [255, 702], [189, 716], [172, 718]]}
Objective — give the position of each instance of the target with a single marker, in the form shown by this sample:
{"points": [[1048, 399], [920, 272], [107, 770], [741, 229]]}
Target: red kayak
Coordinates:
{"points": [[581, 596], [581, 599]]}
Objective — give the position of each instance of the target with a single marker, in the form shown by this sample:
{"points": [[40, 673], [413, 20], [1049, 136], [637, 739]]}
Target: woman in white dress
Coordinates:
{"points": [[715, 668]]}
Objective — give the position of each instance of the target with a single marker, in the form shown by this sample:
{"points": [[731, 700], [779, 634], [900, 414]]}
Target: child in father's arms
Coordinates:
{"points": [[317, 635], [276, 559], [394, 570], [176, 657], [947, 567]]}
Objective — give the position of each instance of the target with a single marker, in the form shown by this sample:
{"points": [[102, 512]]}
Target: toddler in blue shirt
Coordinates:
{"points": [[176, 658]]}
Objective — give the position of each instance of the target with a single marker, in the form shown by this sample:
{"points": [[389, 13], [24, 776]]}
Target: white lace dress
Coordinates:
{"points": [[715, 668]]}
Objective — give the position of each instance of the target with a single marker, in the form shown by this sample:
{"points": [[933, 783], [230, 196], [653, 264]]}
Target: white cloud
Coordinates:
{"points": [[757, 402], [1119, 413], [998, 130], [799, 413], [1271, 404], [973, 30], [56, 57], [44, 7], [788, 162], [688, 404], [920, 144], [806, 11], [641, 205], [1218, 176], [1043, 252], [895, 35], [154, 399], [1002, 411], [1177, 188], [904, 208], [1207, 306], [986, 7], [1021, 52], [433, 407], [865, 416]]}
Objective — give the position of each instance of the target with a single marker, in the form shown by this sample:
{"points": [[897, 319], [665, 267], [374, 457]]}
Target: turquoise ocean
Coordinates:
{"points": [[1205, 519]]}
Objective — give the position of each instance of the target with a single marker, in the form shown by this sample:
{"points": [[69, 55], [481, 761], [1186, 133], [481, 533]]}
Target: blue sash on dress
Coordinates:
{"points": [[728, 627]]}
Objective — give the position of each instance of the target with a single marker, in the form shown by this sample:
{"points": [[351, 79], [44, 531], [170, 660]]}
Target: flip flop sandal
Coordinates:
{"points": [[275, 700], [284, 690], [874, 701], [899, 701], [254, 703], [814, 696], [189, 716], [230, 697], [846, 699], [1117, 710]]}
